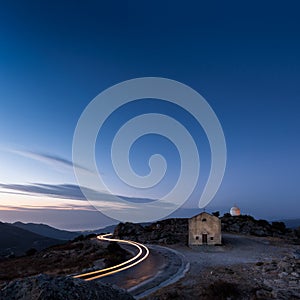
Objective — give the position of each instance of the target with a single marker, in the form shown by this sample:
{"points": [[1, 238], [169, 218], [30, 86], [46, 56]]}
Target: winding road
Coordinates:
{"points": [[145, 272], [143, 253]]}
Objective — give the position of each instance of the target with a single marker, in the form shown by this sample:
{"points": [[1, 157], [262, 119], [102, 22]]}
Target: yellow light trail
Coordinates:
{"points": [[127, 262]]}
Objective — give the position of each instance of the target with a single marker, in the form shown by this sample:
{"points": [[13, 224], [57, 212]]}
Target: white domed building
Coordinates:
{"points": [[235, 211]]}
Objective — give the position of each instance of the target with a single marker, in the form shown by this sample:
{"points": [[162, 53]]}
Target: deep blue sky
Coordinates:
{"points": [[243, 57]]}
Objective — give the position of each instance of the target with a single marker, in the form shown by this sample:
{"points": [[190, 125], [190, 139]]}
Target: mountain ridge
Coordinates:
{"points": [[16, 241], [47, 231]]}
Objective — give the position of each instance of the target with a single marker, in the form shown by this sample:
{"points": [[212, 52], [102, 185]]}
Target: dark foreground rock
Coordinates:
{"points": [[45, 287]]}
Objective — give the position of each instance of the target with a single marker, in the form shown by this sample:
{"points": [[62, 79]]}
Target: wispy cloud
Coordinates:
{"points": [[49, 159], [68, 198], [65, 191], [64, 196], [48, 207]]}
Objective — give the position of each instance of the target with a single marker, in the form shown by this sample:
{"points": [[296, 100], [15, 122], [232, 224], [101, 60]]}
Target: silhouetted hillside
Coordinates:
{"points": [[16, 241], [48, 231]]}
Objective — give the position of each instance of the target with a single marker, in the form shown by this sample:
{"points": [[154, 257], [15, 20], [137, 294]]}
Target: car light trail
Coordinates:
{"points": [[119, 267], [103, 238]]}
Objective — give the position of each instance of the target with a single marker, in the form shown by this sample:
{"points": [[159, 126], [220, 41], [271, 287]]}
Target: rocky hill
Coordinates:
{"points": [[47, 287], [81, 254], [175, 231], [245, 224], [170, 231]]}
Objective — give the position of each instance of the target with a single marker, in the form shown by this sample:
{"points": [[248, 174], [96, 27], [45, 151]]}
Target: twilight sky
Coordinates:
{"points": [[56, 56]]}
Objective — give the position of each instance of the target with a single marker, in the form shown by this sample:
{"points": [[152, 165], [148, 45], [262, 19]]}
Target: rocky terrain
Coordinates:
{"points": [[243, 268], [257, 260], [81, 254], [245, 224], [175, 231], [274, 280], [170, 231], [47, 287]]}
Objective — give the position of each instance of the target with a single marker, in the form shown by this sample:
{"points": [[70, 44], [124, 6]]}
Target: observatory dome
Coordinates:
{"points": [[235, 211]]}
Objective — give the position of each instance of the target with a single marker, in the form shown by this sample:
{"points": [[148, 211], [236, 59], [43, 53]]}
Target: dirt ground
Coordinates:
{"points": [[244, 267]]}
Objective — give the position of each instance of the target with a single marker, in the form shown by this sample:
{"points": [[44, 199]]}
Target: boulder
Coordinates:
{"points": [[47, 287]]}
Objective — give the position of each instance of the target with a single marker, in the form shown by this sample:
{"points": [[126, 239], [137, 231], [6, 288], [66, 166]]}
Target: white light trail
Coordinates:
{"points": [[119, 267]]}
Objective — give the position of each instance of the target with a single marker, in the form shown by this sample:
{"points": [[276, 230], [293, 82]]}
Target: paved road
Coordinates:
{"points": [[162, 267], [140, 255], [145, 272], [139, 273]]}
